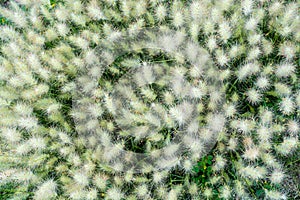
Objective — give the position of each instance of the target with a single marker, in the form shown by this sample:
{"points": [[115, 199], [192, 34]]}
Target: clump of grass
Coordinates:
{"points": [[209, 111]]}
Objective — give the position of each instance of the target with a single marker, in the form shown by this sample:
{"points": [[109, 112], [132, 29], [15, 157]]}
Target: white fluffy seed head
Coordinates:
{"points": [[23, 148], [178, 19], [110, 105], [64, 137], [159, 176], [220, 163], [275, 8], [225, 31], [172, 195], [253, 96], [140, 8], [182, 112], [197, 10], [209, 27], [208, 193], [79, 19], [215, 122], [169, 98], [269, 160], [81, 178], [37, 143], [46, 190], [262, 83], [244, 126], [230, 110], [94, 11], [194, 31], [293, 126], [251, 153], [275, 195], [285, 70], [235, 51], [277, 176], [267, 47], [264, 133], [11, 135], [282, 89], [77, 194], [24, 176], [240, 189], [161, 12], [254, 39], [254, 53], [92, 194], [193, 127], [211, 43], [193, 189], [148, 74], [222, 58], [61, 13], [187, 165], [287, 106], [206, 135], [216, 15], [253, 173], [114, 193], [247, 70], [251, 24], [232, 144], [215, 96], [247, 6], [288, 50], [266, 116], [171, 150], [62, 29], [148, 94], [142, 190], [226, 192], [100, 181], [288, 145], [168, 163]]}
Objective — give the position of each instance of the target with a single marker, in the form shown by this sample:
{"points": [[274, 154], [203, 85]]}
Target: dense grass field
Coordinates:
{"points": [[149, 99]]}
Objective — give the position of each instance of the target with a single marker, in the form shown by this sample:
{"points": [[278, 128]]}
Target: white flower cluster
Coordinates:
{"points": [[123, 99]]}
